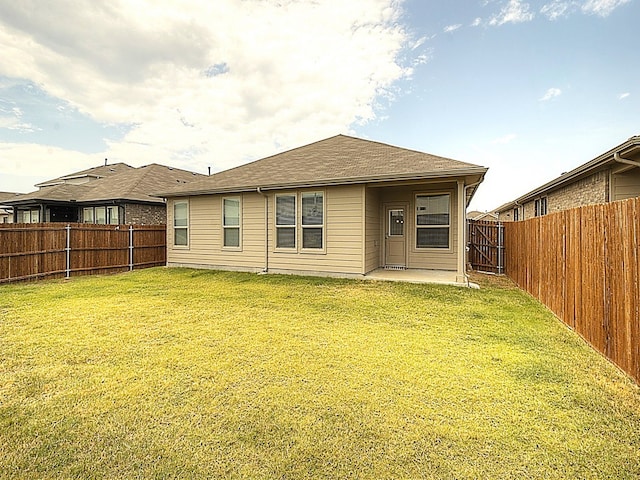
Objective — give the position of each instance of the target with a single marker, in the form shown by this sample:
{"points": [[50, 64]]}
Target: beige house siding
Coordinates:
{"points": [[373, 228], [353, 236], [343, 235], [625, 185], [205, 234], [435, 258]]}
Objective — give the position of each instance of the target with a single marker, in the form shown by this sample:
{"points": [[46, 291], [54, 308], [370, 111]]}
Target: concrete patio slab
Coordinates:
{"points": [[412, 275]]}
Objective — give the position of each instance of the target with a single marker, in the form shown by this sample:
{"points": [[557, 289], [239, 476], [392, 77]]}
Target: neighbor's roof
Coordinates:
{"points": [[95, 172], [129, 184], [336, 160], [629, 149], [7, 196]]}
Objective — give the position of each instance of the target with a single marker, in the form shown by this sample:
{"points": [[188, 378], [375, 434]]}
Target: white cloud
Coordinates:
{"points": [[476, 22], [622, 96], [505, 139], [514, 12], [557, 9], [563, 8], [419, 42], [551, 93], [211, 83], [602, 8], [452, 28]]}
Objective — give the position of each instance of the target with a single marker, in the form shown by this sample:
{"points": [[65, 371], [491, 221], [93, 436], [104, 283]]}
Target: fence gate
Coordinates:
{"points": [[486, 246]]}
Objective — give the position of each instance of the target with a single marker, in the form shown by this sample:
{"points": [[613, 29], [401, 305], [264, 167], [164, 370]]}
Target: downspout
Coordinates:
{"points": [[266, 230], [625, 161], [515, 202]]}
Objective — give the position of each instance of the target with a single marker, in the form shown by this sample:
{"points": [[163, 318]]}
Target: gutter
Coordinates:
{"points": [[626, 161], [328, 182], [266, 230]]}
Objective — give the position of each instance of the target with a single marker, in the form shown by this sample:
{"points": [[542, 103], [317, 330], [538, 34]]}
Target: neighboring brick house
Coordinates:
{"points": [[614, 175], [109, 194]]}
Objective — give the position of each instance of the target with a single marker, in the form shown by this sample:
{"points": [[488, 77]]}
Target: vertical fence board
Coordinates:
{"points": [[584, 264]]}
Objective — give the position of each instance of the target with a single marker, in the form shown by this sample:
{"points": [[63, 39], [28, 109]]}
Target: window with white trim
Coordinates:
{"points": [[433, 221], [231, 221], [285, 221], [181, 223], [312, 220]]}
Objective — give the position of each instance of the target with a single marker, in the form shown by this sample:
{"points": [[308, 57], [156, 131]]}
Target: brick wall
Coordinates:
{"points": [[145, 214], [590, 190]]}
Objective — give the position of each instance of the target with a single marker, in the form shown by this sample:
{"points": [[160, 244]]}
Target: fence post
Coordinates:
{"points": [[130, 247], [68, 251], [500, 248]]}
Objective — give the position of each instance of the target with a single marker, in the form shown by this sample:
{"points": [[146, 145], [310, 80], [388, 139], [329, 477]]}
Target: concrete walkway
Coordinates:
{"points": [[416, 276]]}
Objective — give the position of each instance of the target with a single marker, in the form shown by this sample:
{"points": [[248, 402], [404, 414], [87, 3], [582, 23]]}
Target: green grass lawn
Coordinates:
{"points": [[174, 373]]}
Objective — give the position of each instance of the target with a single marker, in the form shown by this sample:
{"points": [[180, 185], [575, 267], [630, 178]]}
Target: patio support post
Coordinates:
{"points": [[461, 276]]}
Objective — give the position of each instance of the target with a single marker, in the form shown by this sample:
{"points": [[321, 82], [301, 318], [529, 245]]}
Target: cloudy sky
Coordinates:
{"points": [[529, 89]]}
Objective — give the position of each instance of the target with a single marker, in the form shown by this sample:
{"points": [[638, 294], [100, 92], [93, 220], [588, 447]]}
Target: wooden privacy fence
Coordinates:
{"points": [[584, 264], [33, 251], [486, 246]]}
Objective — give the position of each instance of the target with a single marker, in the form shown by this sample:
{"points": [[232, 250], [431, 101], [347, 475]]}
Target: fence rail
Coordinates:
{"points": [[584, 264], [53, 250]]}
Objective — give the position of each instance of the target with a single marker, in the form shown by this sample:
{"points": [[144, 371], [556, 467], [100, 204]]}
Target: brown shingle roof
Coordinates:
{"points": [[7, 196], [95, 172], [131, 184], [333, 161]]}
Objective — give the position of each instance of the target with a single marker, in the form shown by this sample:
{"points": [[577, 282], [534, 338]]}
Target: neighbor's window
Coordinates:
{"points": [[285, 221], [29, 216], [87, 215], [433, 221], [516, 214], [540, 207], [231, 222], [312, 219], [181, 223], [113, 217], [100, 215]]}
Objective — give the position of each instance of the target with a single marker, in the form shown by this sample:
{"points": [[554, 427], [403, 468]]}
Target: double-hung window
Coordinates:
{"points": [[231, 222], [312, 220], [305, 229], [433, 221], [181, 223], [286, 221]]}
